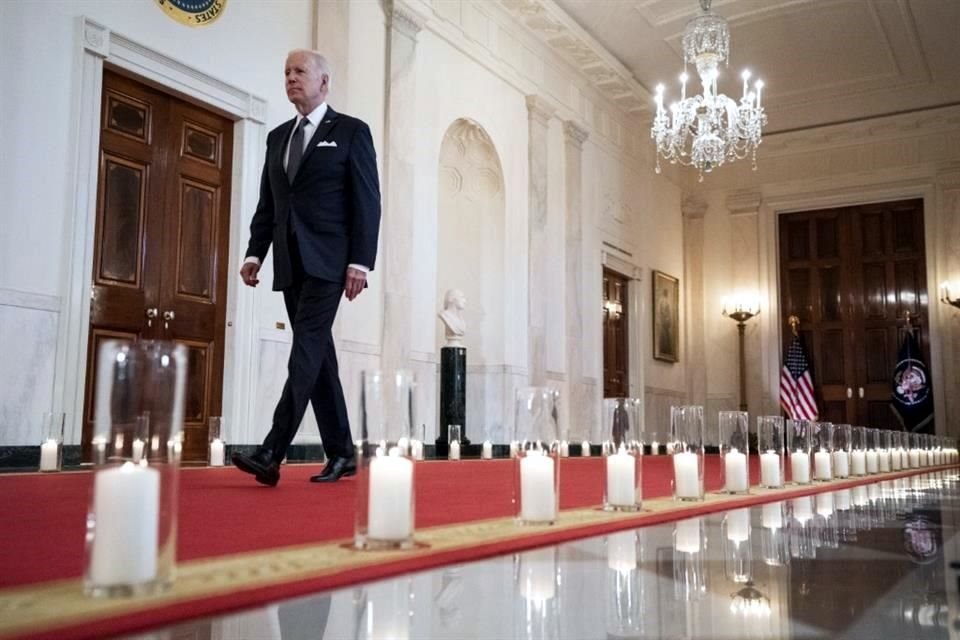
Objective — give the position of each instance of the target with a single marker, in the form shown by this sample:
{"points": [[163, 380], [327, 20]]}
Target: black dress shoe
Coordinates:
{"points": [[336, 468], [261, 465]]}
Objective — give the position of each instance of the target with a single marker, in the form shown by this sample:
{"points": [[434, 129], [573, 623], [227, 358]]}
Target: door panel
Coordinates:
{"points": [[161, 238]]}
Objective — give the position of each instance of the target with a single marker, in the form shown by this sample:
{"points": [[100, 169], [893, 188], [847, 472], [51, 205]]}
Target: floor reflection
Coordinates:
{"points": [[868, 562]]}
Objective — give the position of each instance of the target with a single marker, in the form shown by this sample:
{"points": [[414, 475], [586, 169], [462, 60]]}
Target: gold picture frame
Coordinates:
{"points": [[666, 317]]}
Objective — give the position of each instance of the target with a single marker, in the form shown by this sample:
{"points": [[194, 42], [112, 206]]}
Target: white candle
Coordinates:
{"points": [[825, 504], [138, 445], [873, 465], [454, 453], [687, 534], [655, 448], [841, 463], [564, 449], [896, 460], [858, 462], [924, 460], [802, 509], [216, 453], [770, 475], [126, 513], [686, 475], [487, 451], [538, 575], [622, 551], [883, 460], [538, 497], [904, 459], [821, 463], [800, 467], [914, 458], [514, 448], [390, 511], [735, 469], [671, 446], [416, 449], [585, 449], [860, 496], [843, 500], [738, 525], [621, 479], [49, 454], [772, 515]]}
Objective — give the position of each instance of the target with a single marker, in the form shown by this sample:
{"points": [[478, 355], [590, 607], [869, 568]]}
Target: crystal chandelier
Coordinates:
{"points": [[707, 130]]}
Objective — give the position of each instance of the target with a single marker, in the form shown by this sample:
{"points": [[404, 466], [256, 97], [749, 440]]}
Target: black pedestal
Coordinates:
{"points": [[453, 395]]}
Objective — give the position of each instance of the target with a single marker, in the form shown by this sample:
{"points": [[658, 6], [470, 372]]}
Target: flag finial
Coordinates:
{"points": [[794, 322]]}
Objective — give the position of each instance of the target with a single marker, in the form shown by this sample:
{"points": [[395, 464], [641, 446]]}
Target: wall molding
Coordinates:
{"points": [[25, 300], [98, 45]]}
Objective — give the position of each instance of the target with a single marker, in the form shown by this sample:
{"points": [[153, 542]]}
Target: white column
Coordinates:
{"points": [[945, 225], [539, 112], [399, 176], [579, 400], [694, 211], [745, 249]]}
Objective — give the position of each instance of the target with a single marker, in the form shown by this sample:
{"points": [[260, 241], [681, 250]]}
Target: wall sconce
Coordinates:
{"points": [[741, 308], [945, 295]]}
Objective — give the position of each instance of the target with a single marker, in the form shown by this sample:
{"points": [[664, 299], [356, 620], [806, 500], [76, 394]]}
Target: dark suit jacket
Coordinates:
{"points": [[332, 205]]}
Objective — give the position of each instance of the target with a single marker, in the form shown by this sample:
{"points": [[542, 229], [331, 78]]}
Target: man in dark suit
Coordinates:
{"points": [[320, 209]]}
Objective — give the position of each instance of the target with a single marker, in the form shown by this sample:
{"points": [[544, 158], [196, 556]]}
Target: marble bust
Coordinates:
{"points": [[452, 317]]}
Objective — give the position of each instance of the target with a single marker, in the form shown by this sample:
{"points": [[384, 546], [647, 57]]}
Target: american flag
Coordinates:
{"points": [[796, 384]]}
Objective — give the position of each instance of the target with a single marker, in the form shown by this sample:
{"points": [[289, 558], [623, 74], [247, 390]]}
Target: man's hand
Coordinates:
{"points": [[354, 284], [249, 272]]}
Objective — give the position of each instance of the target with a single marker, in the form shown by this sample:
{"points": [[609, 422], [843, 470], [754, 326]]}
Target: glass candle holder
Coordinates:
{"points": [[622, 482], [537, 477], [132, 518], [689, 545], [686, 434], [217, 447], [896, 451], [737, 547], [51, 448], [914, 452], [453, 440], [858, 451], [770, 444], [842, 436], [823, 451], [624, 607], [883, 452], [734, 451], [385, 516], [773, 540], [799, 443], [872, 454], [537, 580]]}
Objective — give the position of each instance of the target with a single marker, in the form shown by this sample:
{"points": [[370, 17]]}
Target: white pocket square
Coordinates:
{"points": [[327, 143]]}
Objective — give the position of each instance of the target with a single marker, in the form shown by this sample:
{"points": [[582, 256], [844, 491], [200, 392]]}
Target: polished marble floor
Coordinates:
{"points": [[872, 562]]}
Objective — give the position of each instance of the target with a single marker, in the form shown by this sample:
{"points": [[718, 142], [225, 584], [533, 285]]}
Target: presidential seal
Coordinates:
{"points": [[194, 13], [910, 382]]}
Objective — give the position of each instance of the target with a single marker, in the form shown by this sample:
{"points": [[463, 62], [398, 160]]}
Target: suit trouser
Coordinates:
{"points": [[312, 371]]}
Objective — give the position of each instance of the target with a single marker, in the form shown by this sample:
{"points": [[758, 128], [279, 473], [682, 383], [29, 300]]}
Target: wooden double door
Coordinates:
{"points": [[162, 238], [615, 342], [850, 274]]}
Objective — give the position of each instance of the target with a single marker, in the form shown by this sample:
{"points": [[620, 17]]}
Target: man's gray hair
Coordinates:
{"points": [[320, 62]]}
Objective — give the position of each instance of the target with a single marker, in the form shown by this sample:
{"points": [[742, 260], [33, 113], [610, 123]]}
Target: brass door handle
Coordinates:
{"points": [[860, 390], [151, 313], [849, 392], [168, 317]]}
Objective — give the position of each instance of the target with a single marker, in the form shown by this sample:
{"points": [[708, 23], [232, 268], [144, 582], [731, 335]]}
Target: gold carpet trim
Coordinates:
{"points": [[62, 603]]}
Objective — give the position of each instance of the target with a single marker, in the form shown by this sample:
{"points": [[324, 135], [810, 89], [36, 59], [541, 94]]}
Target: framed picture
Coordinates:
{"points": [[666, 317]]}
